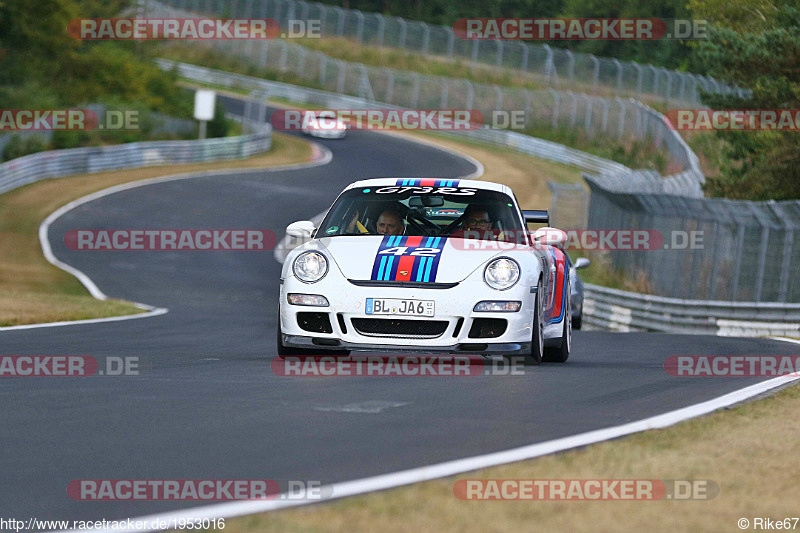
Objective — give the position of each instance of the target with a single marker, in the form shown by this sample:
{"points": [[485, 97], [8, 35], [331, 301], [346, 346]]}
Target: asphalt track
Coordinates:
{"points": [[207, 404]]}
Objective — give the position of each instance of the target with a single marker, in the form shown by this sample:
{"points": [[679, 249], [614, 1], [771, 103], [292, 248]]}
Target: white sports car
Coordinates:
{"points": [[427, 266]]}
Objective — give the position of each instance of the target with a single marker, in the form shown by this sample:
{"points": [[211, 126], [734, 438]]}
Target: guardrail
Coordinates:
{"points": [[58, 163], [628, 311]]}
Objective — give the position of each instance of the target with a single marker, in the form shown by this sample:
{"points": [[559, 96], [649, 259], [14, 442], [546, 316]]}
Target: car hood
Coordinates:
{"points": [[359, 257]]}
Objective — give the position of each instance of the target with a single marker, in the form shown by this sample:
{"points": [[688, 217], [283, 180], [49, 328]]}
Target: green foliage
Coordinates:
{"points": [[20, 145], [219, 126], [63, 139], [764, 57]]}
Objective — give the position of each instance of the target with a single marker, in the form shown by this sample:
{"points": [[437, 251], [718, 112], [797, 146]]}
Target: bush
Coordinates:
{"points": [[63, 139], [219, 126], [19, 146]]}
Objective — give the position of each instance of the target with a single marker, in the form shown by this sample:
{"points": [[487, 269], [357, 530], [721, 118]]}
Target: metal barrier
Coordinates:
{"points": [[628, 311], [58, 163]]}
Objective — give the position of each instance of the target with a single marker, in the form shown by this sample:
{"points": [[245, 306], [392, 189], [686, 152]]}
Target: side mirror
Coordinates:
{"points": [[302, 229], [550, 236], [582, 262]]}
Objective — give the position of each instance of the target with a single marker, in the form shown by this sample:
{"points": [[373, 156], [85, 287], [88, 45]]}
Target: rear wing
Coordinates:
{"points": [[537, 216]]}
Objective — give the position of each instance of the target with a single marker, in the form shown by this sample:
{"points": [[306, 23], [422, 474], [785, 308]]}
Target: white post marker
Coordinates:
{"points": [[204, 108]]}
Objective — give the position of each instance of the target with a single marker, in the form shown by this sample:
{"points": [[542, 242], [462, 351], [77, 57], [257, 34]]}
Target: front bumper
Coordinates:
{"points": [[453, 306], [488, 348]]}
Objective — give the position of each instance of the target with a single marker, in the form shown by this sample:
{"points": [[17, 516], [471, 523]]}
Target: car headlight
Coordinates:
{"points": [[310, 267], [501, 273]]}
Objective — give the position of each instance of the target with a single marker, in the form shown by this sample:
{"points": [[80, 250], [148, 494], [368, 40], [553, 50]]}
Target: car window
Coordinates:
{"points": [[426, 211]]}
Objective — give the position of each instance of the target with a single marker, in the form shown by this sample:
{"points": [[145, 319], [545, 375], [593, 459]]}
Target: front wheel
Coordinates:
{"points": [[534, 357]]}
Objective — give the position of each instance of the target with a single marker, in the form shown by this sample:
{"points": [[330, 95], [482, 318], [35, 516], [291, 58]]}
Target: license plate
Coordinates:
{"points": [[396, 306]]}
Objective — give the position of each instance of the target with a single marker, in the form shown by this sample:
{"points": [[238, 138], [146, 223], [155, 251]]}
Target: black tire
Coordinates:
{"points": [[560, 353], [534, 357]]}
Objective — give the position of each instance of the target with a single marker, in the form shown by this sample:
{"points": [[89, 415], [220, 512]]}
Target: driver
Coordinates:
{"points": [[477, 218], [390, 223]]}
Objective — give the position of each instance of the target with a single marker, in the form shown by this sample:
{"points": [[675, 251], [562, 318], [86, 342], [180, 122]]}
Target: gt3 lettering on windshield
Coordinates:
{"points": [[427, 190]]}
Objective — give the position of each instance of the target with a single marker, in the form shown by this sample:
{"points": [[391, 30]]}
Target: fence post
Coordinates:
{"points": [[426, 38], [415, 95], [570, 65], [389, 85], [638, 68], [470, 94], [339, 21], [451, 37], [622, 109], [525, 52], [556, 107], [403, 32], [762, 262], [619, 73], [786, 266], [596, 73], [738, 266], [359, 25], [341, 80], [381, 26], [443, 100], [499, 54], [475, 44]]}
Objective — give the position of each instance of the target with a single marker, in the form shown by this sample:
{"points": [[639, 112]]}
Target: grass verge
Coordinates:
{"points": [[34, 291], [746, 450]]}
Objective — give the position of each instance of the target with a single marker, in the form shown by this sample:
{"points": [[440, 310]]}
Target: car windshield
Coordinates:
{"points": [[426, 211]]}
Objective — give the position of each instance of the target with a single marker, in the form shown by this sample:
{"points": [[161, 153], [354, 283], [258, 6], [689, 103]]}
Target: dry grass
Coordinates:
{"points": [[31, 289], [748, 451], [526, 175]]}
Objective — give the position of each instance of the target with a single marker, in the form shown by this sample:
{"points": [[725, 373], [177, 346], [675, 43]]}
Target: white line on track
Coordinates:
{"points": [[325, 157], [460, 466]]}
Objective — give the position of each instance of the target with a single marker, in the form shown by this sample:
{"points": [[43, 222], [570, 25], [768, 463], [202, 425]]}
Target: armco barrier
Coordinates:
{"points": [[58, 163], [630, 311]]}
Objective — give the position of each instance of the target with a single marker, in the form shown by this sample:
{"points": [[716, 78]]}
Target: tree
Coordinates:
{"points": [[761, 53]]}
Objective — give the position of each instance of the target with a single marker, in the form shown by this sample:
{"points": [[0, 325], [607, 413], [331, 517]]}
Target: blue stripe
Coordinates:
{"points": [[428, 266], [383, 264], [388, 272], [421, 268]]}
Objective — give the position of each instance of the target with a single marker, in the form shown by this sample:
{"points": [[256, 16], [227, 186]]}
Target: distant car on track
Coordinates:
{"points": [[427, 265], [324, 125]]}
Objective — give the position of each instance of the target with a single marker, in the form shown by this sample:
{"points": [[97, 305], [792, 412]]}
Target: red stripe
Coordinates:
{"points": [[427, 183], [559, 292], [416, 240], [406, 264]]}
